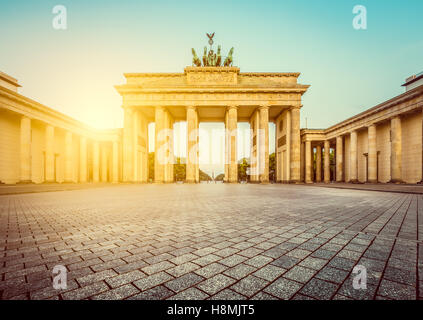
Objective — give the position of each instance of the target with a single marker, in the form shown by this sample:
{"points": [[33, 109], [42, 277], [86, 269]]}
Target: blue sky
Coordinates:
{"points": [[74, 70]]}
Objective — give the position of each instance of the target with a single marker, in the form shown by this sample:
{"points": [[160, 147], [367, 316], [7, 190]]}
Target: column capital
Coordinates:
{"points": [[191, 107], [299, 106], [232, 106], [264, 107]]}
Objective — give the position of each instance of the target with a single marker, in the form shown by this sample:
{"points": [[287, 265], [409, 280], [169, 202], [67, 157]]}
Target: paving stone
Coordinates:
{"points": [[95, 277], [190, 294], [156, 293], [397, 291], [299, 274], [182, 269], [313, 263], [332, 274], [217, 283], [125, 278], [228, 294], [283, 288], [155, 268], [249, 285], [269, 272], [285, 262], [211, 270], [184, 282], [319, 289], [86, 292], [117, 293], [152, 281], [240, 271]]}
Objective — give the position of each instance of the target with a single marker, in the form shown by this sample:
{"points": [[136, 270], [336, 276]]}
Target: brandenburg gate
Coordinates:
{"points": [[211, 92]]}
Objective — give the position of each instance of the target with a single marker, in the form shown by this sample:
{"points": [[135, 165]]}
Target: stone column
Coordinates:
{"points": [[115, 173], [83, 160], [339, 159], [135, 160], [308, 162], [353, 157], [50, 167], [104, 163], [295, 145], [128, 145], [232, 126], [25, 151], [372, 155], [68, 158], [96, 162], [226, 178], [318, 163], [287, 165], [159, 154], [327, 161], [302, 162], [192, 133], [264, 144], [396, 150]]}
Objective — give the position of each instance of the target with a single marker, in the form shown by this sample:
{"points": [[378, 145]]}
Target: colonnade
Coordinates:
{"points": [[369, 150], [54, 147]]}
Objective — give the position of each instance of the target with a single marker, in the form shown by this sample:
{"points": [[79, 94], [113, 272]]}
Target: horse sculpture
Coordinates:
{"points": [[228, 61], [195, 60]]}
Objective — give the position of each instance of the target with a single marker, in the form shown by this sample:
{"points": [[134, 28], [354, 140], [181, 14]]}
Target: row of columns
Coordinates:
{"points": [[372, 164], [163, 162], [69, 159]]}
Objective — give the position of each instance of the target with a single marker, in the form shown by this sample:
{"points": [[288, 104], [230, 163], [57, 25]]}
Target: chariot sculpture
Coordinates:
{"points": [[210, 58]]}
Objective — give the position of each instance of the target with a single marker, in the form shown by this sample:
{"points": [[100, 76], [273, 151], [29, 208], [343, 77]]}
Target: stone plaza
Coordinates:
{"points": [[211, 241]]}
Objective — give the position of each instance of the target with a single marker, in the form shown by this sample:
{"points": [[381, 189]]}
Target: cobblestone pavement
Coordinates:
{"points": [[211, 242]]}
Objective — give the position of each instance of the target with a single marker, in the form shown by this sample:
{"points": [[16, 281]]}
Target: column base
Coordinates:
{"points": [[295, 182], [355, 181], [327, 181], [69, 181], [372, 181], [398, 181], [190, 181], [24, 182], [49, 181]]}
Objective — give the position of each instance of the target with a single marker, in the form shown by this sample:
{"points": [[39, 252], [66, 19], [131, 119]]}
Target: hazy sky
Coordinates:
{"points": [[74, 70]]}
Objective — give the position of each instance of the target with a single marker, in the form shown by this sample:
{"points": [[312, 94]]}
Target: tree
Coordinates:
{"points": [[272, 167], [220, 177], [179, 169], [151, 166], [243, 165], [204, 176]]}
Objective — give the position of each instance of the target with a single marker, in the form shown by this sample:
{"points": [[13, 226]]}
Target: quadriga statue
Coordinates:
{"points": [[195, 60], [229, 60]]}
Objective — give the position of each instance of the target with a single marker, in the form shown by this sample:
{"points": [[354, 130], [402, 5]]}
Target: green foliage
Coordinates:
{"points": [[179, 169], [243, 166], [204, 176], [272, 167], [220, 177], [151, 166]]}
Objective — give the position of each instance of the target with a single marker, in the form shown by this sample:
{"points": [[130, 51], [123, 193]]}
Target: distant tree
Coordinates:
{"points": [[243, 165], [151, 166], [179, 169], [220, 177], [272, 167], [204, 176]]}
